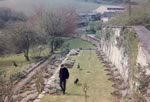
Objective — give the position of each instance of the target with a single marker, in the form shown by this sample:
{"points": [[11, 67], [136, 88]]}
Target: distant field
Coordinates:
{"points": [[28, 5]]}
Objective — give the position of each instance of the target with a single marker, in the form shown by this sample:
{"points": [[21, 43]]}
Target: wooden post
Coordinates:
{"points": [[129, 7], [85, 88]]}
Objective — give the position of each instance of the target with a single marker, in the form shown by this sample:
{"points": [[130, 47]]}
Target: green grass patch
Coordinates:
{"points": [[93, 74], [75, 43], [79, 43], [6, 62]]}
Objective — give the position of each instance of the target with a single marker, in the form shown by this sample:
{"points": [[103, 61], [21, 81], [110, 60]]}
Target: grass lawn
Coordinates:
{"points": [[79, 43], [93, 74], [7, 65]]}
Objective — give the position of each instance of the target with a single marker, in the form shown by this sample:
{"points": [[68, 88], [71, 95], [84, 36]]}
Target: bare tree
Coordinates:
{"points": [[56, 23], [69, 20], [22, 36]]}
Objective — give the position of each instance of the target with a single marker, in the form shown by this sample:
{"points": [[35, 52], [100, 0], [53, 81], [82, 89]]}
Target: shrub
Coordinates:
{"points": [[39, 81], [140, 16], [17, 76], [65, 49], [95, 26]]}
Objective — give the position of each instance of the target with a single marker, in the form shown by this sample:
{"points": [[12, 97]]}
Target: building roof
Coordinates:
{"points": [[89, 14], [109, 8]]}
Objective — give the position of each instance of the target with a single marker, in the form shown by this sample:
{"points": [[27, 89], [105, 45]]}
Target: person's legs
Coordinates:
{"points": [[61, 84], [64, 86]]}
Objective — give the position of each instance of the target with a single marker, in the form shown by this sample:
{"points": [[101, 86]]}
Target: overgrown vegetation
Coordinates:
{"points": [[130, 42], [123, 40], [105, 34], [140, 15], [133, 43], [39, 81], [6, 86], [94, 26]]}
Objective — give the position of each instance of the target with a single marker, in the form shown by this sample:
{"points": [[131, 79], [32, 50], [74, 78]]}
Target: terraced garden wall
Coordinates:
{"points": [[123, 48]]}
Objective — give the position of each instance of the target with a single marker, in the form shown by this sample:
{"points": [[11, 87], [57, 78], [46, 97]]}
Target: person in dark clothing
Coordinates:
{"points": [[63, 75]]}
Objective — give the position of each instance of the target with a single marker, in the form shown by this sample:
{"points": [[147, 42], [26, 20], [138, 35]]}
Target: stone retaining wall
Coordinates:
{"points": [[116, 55]]}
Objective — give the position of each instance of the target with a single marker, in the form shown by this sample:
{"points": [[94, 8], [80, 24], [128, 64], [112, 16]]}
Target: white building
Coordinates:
{"points": [[109, 11]]}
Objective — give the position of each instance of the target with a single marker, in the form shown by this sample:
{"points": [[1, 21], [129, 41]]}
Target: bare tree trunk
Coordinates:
{"points": [[26, 52], [52, 46], [129, 7], [26, 56]]}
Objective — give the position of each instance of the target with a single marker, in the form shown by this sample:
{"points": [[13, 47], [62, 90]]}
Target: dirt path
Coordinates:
{"points": [[51, 79], [30, 75], [92, 72]]}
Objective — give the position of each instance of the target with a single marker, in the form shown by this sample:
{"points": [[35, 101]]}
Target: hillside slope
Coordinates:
{"points": [[28, 6]]}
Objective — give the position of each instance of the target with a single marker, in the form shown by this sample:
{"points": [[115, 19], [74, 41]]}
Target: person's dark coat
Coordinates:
{"points": [[63, 74]]}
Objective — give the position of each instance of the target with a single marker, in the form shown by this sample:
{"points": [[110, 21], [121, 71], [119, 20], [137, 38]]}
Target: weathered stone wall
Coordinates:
{"points": [[116, 55], [113, 53], [144, 47]]}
